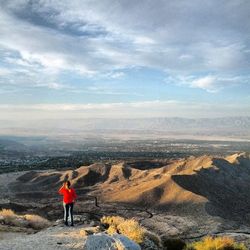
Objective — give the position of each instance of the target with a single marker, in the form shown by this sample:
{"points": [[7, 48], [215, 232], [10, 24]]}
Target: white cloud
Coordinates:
{"points": [[143, 40], [210, 83], [92, 38], [51, 61], [207, 83]]}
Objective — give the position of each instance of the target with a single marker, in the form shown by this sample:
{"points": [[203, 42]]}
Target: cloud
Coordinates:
{"points": [[206, 82], [97, 38], [210, 83]]}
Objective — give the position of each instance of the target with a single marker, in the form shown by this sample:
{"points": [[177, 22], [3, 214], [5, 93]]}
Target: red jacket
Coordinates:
{"points": [[69, 195]]}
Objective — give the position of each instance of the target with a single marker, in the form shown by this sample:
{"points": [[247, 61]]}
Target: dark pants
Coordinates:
{"points": [[68, 210]]}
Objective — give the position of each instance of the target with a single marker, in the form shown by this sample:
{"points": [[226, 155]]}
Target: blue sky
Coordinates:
{"points": [[124, 58]]}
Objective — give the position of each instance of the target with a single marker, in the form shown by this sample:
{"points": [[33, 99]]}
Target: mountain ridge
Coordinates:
{"points": [[213, 185]]}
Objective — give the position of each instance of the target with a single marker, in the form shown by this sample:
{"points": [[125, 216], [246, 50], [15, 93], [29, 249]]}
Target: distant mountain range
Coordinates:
{"points": [[225, 126]]}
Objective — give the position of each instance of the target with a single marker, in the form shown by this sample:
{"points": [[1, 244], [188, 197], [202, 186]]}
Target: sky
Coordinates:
{"points": [[123, 58]]}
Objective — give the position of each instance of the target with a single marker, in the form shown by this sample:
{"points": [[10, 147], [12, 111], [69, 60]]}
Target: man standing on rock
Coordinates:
{"points": [[69, 196]]}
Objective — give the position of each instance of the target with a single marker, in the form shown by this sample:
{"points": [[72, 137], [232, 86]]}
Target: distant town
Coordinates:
{"points": [[31, 153]]}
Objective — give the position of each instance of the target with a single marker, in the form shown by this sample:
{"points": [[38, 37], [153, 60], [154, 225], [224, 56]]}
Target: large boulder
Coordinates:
{"points": [[99, 241], [125, 243], [102, 241]]}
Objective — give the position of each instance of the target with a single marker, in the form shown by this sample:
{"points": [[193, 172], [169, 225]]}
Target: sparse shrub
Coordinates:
{"points": [[36, 221], [128, 227], [9, 217], [132, 230], [7, 213], [112, 229], [112, 220], [173, 244], [217, 243]]}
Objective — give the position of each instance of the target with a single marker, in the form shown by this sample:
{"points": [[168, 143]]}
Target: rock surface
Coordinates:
{"points": [[65, 238], [114, 242], [57, 237]]}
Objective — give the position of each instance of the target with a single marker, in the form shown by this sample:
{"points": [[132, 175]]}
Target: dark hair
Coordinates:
{"points": [[68, 183]]}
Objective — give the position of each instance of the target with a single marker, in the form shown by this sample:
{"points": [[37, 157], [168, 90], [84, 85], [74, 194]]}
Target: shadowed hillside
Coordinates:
{"points": [[224, 183]]}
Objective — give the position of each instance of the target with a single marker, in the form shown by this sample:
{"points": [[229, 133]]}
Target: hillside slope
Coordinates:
{"points": [[217, 186]]}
